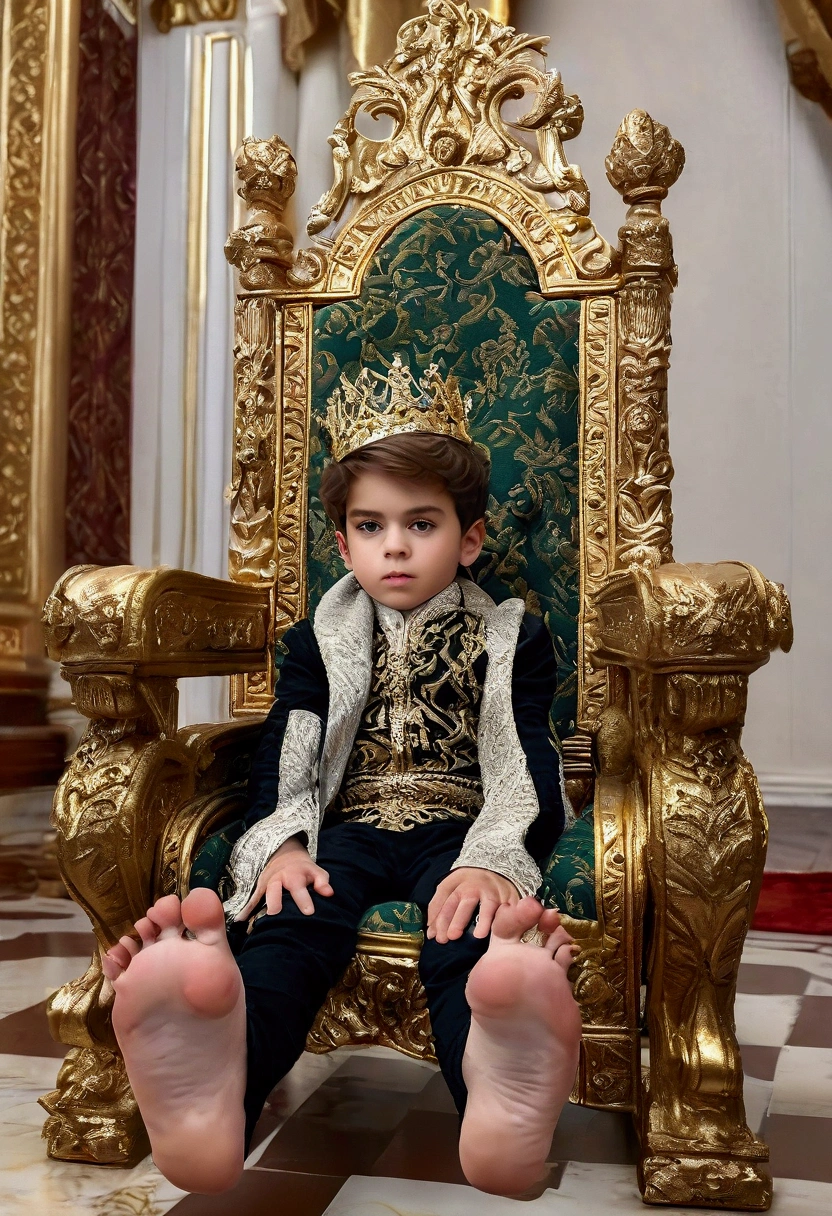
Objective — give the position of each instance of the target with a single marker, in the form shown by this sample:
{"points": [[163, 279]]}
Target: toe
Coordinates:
{"points": [[130, 945], [513, 920], [566, 954], [147, 931], [110, 966], [119, 954], [203, 914], [555, 941], [167, 914]]}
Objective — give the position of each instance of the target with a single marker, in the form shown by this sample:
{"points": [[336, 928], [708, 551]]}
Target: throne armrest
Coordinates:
{"points": [[151, 623], [724, 617]]}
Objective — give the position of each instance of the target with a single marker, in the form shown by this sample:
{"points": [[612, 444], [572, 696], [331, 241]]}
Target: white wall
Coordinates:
{"points": [[184, 294], [751, 427], [750, 416]]}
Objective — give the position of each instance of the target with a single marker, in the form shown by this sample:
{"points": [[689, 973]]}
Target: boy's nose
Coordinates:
{"points": [[397, 545]]}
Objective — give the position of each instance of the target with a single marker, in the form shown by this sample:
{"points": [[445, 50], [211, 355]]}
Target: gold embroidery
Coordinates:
{"points": [[415, 758]]}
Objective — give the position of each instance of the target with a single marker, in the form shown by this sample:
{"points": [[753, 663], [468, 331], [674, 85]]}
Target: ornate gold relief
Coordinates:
{"points": [[597, 521], [690, 635], [93, 1115], [262, 249], [720, 617], [290, 509], [156, 621], [644, 163], [379, 1001], [170, 13], [569, 255], [38, 51], [606, 973], [251, 557], [444, 88]]}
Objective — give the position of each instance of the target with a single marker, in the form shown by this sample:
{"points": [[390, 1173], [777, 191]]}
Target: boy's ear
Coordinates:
{"points": [[343, 549], [472, 542]]}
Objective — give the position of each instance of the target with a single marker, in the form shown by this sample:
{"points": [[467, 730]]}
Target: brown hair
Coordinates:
{"points": [[462, 469]]}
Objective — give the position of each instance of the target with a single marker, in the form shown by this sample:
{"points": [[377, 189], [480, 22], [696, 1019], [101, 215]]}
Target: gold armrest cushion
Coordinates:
{"points": [[724, 617], [159, 622]]}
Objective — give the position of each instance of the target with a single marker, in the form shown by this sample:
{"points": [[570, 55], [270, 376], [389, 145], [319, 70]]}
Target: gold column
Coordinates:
{"points": [[38, 60]]}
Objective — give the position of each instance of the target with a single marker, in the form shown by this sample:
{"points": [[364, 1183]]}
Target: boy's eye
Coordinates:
{"points": [[422, 525], [369, 526]]}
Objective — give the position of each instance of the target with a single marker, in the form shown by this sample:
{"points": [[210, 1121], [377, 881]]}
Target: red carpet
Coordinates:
{"points": [[795, 903]]}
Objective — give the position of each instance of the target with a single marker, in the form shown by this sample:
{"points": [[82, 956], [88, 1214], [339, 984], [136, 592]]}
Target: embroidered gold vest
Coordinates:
{"points": [[414, 759]]}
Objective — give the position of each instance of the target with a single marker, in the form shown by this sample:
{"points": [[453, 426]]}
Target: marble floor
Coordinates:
{"points": [[369, 1133]]}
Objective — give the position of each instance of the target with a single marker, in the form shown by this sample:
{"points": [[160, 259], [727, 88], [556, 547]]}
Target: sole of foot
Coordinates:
{"points": [[179, 1017], [522, 1051]]}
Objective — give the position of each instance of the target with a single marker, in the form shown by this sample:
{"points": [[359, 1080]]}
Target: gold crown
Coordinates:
{"points": [[376, 406]]}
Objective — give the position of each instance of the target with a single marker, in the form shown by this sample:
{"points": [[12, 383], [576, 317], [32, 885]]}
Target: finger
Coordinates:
{"points": [[303, 899], [252, 903], [274, 897], [484, 921], [466, 908], [445, 916], [439, 897], [322, 884]]}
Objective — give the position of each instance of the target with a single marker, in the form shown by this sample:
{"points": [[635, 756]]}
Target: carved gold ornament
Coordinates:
{"points": [[375, 406]]}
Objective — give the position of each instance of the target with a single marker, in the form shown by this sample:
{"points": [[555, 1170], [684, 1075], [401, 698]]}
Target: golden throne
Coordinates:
{"points": [[535, 308]]}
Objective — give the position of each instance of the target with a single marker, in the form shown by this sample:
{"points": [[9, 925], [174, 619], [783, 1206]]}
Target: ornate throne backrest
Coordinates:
{"points": [[463, 238]]}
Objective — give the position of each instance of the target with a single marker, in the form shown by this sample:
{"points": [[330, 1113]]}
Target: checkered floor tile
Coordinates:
{"points": [[362, 1132]]}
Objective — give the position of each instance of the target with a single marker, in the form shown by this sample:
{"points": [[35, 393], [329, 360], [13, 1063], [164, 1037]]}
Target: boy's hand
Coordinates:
{"points": [[457, 897], [290, 867]]}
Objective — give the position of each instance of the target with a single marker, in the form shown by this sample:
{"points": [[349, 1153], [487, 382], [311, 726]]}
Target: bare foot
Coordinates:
{"points": [[522, 1051], [180, 1020]]}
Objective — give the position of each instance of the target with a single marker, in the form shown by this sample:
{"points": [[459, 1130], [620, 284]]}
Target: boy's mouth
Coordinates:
{"points": [[397, 579]]}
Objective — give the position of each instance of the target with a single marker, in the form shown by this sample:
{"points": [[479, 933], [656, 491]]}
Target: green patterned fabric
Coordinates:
{"points": [[569, 874], [452, 286], [398, 916], [209, 866]]}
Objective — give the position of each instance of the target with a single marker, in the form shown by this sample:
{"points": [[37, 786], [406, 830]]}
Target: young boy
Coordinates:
{"points": [[407, 756]]}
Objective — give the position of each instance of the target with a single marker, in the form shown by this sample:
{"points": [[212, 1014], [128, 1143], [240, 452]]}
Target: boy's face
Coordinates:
{"points": [[403, 539]]}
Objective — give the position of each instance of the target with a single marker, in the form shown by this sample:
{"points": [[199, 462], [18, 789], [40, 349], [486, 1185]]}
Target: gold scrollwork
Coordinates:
{"points": [[379, 1001], [93, 1115], [262, 249], [290, 587], [597, 519], [644, 163], [707, 847], [568, 254], [252, 491], [22, 203], [444, 89]]}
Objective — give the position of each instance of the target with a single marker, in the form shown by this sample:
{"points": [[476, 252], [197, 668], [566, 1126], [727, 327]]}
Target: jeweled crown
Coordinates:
{"points": [[375, 406]]}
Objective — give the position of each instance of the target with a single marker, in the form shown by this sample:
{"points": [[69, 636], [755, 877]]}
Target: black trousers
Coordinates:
{"points": [[290, 961]]}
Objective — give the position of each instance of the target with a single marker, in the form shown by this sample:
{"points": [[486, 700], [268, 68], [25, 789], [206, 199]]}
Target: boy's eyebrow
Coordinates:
{"points": [[429, 508]]}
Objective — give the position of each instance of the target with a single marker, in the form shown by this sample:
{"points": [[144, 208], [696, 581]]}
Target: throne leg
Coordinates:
{"points": [[123, 783], [707, 837]]}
